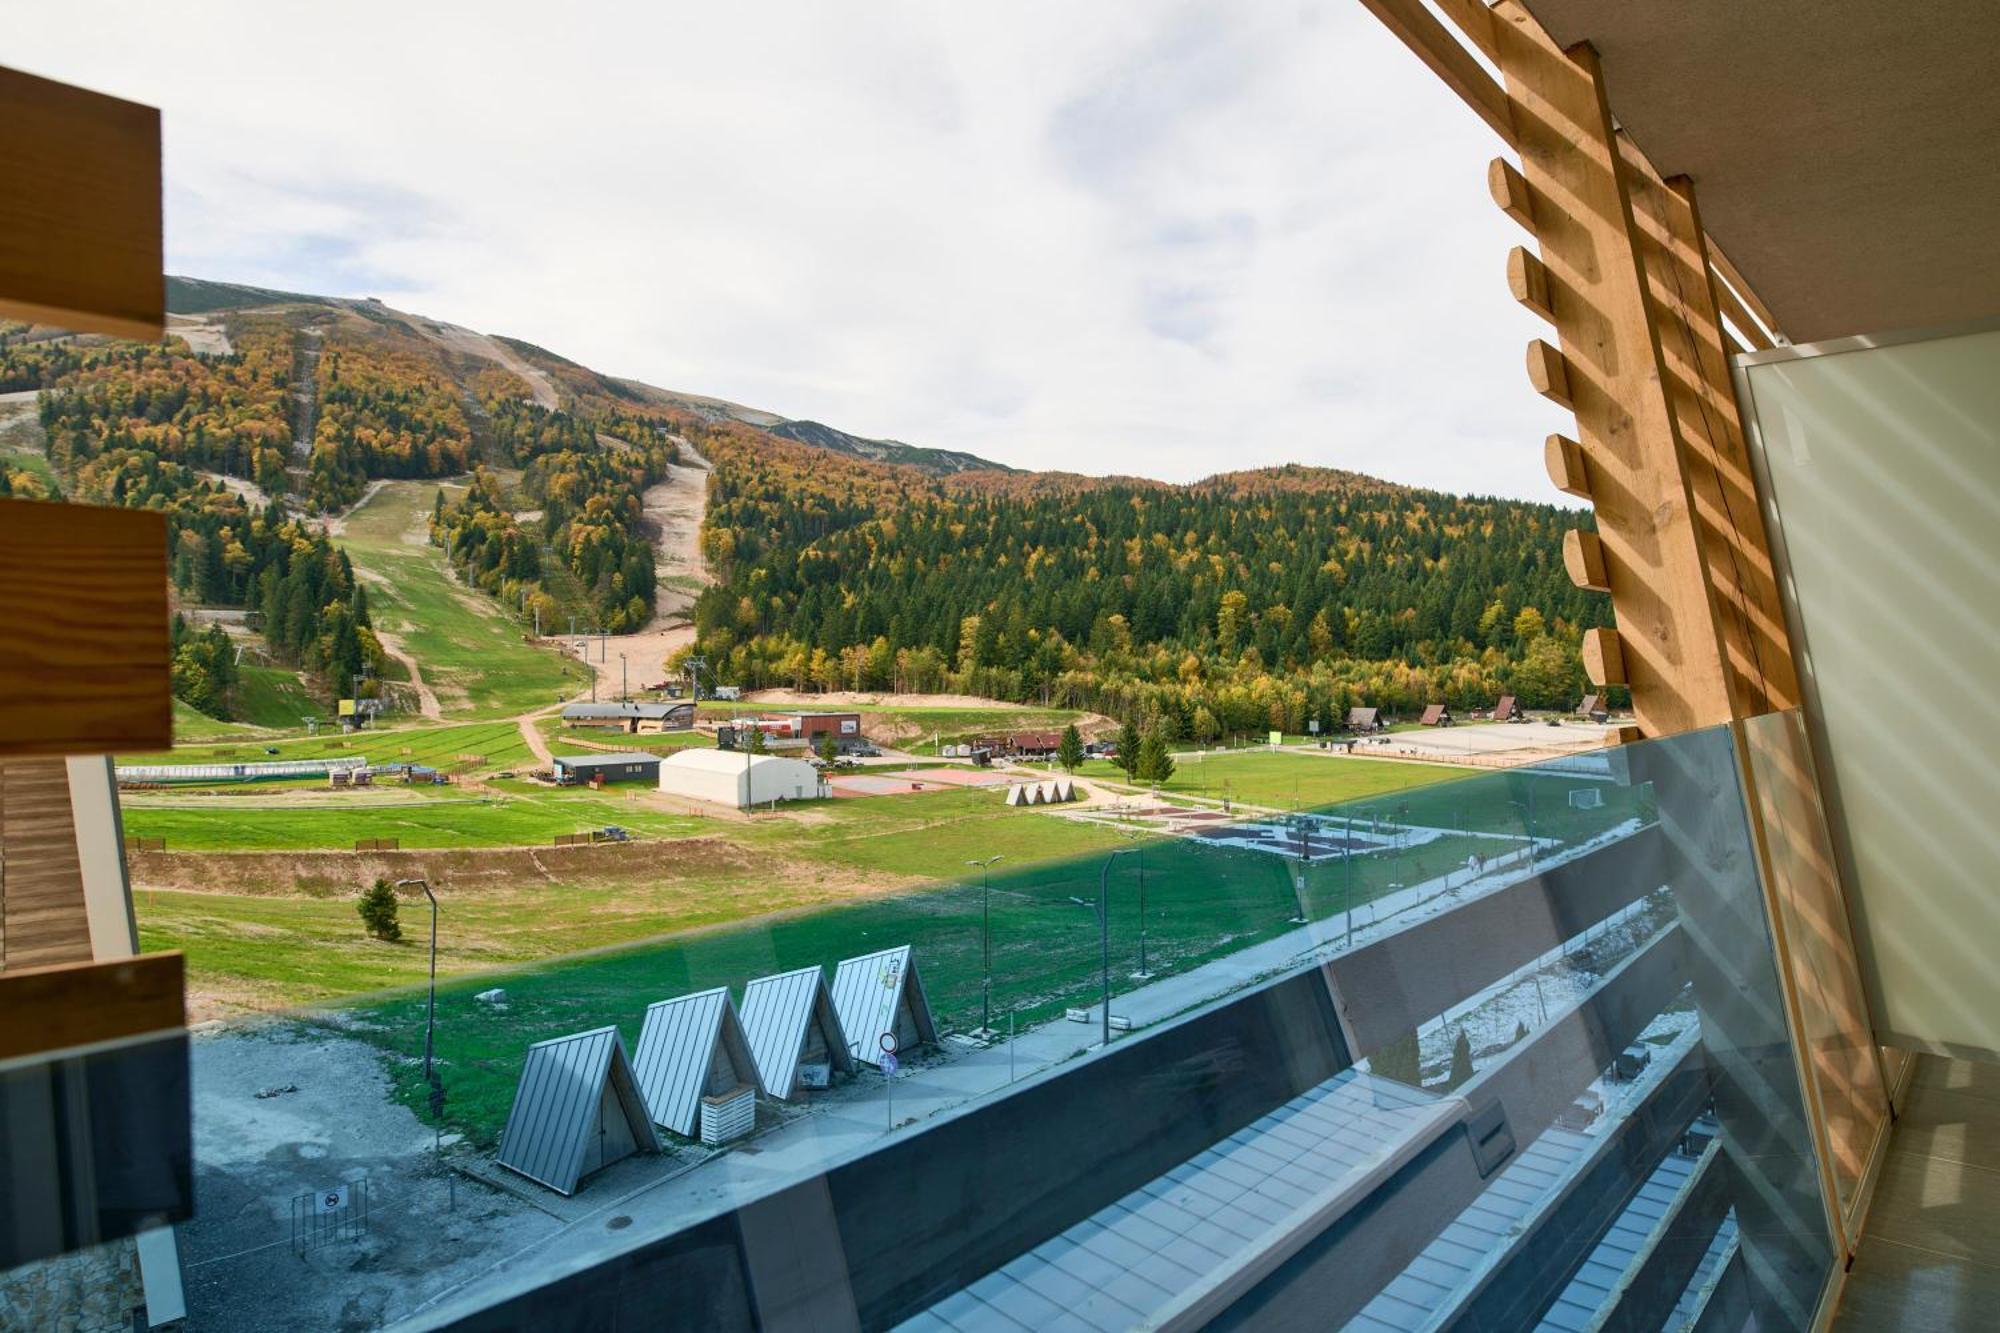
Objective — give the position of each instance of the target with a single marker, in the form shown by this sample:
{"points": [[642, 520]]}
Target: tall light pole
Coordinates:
{"points": [[430, 1023], [624, 680], [1139, 851], [1103, 910], [985, 944]]}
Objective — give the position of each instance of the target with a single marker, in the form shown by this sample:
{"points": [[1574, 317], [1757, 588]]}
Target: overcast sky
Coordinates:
{"points": [[1157, 238]]}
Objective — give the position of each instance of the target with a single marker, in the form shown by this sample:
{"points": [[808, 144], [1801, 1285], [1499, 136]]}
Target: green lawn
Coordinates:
{"points": [[471, 652], [498, 743], [1286, 779], [308, 821]]}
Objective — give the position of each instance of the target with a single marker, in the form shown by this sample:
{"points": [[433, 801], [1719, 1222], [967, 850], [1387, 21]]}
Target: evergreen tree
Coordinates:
{"points": [[753, 740], [1399, 1059], [1461, 1061], [1128, 750], [1155, 765], [1069, 751], [378, 911], [829, 748]]}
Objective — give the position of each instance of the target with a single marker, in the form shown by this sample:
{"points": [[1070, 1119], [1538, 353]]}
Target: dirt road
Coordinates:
{"points": [[674, 511]]}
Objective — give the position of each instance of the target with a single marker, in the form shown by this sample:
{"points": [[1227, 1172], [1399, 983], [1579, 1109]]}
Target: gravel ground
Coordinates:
{"points": [[255, 1155]]}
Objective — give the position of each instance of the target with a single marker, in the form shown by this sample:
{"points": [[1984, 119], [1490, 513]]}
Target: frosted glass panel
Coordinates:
{"points": [[1884, 466]]}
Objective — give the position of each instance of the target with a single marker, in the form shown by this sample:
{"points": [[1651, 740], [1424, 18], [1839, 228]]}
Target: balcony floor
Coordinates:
{"points": [[1929, 1256]]}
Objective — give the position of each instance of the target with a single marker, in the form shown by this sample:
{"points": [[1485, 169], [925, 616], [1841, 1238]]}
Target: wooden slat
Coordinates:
{"points": [[1741, 288], [84, 660], [1510, 191], [1433, 44], [44, 918], [80, 239], [1672, 656], [1729, 522], [1549, 374], [1604, 657], [80, 1004], [1529, 282], [1563, 457], [1583, 558]]}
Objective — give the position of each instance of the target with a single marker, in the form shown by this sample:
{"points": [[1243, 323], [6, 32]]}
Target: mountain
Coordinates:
{"points": [[1245, 602], [198, 296]]}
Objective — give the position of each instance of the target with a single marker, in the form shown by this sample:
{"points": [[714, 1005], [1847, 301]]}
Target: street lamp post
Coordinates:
{"points": [[1103, 910], [985, 944], [624, 680], [1347, 875], [430, 1023]]}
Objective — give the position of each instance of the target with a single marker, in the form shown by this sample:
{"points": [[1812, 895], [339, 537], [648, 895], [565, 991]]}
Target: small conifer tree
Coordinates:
{"points": [[378, 911], [1069, 751]]}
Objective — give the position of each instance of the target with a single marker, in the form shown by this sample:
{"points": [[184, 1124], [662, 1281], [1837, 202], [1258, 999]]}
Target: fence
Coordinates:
{"points": [[378, 844], [145, 844], [327, 1217], [277, 768]]}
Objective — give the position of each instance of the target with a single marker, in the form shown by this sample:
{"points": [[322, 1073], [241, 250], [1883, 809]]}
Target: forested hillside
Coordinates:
{"points": [[1248, 601]]}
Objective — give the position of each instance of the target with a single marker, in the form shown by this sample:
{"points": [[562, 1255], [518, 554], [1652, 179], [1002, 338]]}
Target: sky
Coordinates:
{"points": [[1165, 239]]}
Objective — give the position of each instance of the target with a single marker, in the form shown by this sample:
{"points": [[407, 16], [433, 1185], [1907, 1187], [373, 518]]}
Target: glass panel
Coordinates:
{"points": [[1427, 1054], [1806, 887]]}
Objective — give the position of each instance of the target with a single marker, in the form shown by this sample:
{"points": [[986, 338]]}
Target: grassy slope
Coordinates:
{"points": [[470, 652], [274, 697], [499, 743]]}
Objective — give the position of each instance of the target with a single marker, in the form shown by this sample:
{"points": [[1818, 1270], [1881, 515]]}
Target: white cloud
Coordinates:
{"points": [[1133, 237]]}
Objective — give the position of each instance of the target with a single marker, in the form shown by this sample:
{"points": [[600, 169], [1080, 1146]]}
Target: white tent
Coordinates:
{"points": [[793, 1031], [577, 1109], [737, 778], [881, 993], [1017, 795], [690, 1048]]}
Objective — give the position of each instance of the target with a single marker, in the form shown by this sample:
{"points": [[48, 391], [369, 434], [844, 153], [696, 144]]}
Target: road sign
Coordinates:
{"points": [[330, 1201], [889, 1065], [888, 1043], [1312, 725]]}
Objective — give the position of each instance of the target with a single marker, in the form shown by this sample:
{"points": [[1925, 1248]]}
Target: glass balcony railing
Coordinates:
{"points": [[1503, 1052]]}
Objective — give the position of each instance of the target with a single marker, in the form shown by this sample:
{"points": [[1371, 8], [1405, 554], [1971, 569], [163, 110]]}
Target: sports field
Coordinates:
{"points": [[1285, 779]]}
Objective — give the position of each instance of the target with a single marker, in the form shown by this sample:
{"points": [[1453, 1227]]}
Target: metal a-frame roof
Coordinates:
{"points": [[562, 1084], [866, 991], [676, 1047], [777, 1012]]}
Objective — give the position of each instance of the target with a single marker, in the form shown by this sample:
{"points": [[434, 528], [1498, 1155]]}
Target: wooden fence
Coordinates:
{"points": [[377, 844]]}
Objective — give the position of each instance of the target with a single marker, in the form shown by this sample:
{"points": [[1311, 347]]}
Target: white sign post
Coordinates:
{"points": [[330, 1201], [888, 1044]]}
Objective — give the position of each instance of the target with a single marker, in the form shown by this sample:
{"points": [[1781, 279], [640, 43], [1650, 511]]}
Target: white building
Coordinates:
{"points": [[738, 779]]}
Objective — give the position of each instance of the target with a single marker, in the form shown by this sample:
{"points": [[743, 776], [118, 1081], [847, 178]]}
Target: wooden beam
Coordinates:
{"points": [[1729, 522], [1668, 646], [1433, 44], [1510, 191], [84, 660], [79, 209], [1583, 557], [1564, 459], [1739, 288], [1549, 374], [46, 1009], [1604, 657], [1529, 282]]}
